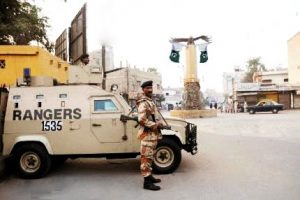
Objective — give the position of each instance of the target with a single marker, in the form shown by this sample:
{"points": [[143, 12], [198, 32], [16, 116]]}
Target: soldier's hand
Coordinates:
{"points": [[157, 126], [160, 125]]}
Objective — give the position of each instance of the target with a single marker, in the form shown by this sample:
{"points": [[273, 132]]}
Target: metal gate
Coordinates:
{"points": [[296, 101], [285, 99]]}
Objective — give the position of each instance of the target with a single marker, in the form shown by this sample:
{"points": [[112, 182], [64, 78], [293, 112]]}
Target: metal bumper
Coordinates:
{"points": [[191, 139]]}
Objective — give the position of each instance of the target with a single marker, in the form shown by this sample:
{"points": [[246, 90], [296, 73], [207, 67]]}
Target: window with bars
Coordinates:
{"points": [[2, 64]]}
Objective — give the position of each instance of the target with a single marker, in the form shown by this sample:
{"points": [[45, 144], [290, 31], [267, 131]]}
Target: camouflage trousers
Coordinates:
{"points": [[147, 156]]}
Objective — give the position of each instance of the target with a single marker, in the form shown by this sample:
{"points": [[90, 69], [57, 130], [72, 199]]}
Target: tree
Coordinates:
{"points": [[20, 24], [253, 65], [152, 69]]}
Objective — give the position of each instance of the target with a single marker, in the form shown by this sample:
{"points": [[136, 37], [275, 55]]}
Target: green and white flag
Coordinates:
{"points": [[174, 55], [203, 54]]}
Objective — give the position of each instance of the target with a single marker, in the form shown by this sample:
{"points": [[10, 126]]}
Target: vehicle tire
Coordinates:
{"points": [[167, 157], [31, 161], [251, 111], [274, 110]]}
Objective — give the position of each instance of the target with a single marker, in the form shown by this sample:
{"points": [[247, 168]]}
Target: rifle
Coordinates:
{"points": [[125, 118]]}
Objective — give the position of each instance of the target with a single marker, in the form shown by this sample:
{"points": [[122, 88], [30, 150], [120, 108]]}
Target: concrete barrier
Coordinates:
{"points": [[185, 114]]}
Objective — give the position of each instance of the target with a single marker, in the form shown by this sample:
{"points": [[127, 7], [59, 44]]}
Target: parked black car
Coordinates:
{"points": [[265, 106]]}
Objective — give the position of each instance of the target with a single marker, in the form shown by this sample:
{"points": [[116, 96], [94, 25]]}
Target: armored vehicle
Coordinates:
{"points": [[45, 125]]}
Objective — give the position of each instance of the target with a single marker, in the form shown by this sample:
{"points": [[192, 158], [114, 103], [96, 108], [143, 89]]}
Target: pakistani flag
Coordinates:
{"points": [[203, 50], [174, 56]]}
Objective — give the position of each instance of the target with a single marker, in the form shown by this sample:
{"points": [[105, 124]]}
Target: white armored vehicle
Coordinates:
{"points": [[46, 125]]}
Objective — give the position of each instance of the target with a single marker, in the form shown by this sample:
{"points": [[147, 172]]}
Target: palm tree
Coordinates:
{"points": [[253, 65]]}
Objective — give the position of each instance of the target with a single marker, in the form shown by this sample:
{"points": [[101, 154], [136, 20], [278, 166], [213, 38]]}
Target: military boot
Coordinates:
{"points": [[148, 184], [154, 180]]}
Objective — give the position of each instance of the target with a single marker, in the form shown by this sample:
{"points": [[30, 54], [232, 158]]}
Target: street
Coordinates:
{"points": [[240, 156]]}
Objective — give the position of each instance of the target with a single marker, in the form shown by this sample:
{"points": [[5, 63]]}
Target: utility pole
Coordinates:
{"points": [[127, 77], [103, 68]]}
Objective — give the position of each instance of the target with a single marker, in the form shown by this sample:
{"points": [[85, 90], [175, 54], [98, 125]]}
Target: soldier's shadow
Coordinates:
{"points": [[96, 165], [103, 167]]}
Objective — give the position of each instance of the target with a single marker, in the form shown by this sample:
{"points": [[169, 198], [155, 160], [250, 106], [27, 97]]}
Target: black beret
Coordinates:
{"points": [[84, 56], [147, 83]]}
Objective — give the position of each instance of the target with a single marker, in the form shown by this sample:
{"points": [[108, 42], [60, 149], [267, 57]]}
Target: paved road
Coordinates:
{"points": [[241, 156]]}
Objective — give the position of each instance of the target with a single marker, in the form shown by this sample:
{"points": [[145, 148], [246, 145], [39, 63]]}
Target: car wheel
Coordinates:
{"points": [[31, 161], [275, 110], [167, 157], [251, 111]]}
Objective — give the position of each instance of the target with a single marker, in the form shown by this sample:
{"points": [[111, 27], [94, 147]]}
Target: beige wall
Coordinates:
{"points": [[132, 83], [294, 59], [275, 77]]}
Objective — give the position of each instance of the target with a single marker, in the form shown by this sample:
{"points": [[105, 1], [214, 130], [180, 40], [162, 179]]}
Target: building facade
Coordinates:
{"points": [[230, 79], [282, 86], [14, 59], [129, 80], [254, 92], [173, 98], [271, 77], [294, 67], [266, 85], [294, 59], [96, 58]]}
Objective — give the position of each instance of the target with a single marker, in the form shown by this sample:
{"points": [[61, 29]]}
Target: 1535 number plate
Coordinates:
{"points": [[50, 125]]}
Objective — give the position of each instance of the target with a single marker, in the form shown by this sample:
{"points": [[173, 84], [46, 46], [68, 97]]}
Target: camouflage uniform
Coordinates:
{"points": [[149, 137]]}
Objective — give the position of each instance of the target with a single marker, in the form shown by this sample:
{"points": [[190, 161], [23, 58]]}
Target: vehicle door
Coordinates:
{"points": [[105, 119], [260, 107], [268, 106]]}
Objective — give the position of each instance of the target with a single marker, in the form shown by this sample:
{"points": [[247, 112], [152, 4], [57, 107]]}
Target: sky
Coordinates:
{"points": [[139, 32]]}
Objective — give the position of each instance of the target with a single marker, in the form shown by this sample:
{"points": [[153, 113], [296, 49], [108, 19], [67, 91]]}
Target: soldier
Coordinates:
{"points": [[148, 134], [84, 60]]}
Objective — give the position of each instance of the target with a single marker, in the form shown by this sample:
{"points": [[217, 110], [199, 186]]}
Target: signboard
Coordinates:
{"points": [[78, 44], [61, 46], [248, 87]]}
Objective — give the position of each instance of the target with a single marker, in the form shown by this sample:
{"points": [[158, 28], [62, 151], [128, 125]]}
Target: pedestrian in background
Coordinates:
{"points": [[230, 105], [245, 106]]}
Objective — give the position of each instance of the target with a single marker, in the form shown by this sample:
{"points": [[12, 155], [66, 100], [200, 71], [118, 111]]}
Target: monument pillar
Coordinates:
{"points": [[191, 64], [191, 101], [191, 94]]}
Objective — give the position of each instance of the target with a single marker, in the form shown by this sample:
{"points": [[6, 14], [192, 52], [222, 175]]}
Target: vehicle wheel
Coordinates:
{"points": [[32, 161], [167, 157], [275, 110], [251, 111]]}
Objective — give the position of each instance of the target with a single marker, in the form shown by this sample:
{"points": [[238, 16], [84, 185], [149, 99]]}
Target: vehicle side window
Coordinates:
{"points": [[104, 105]]}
